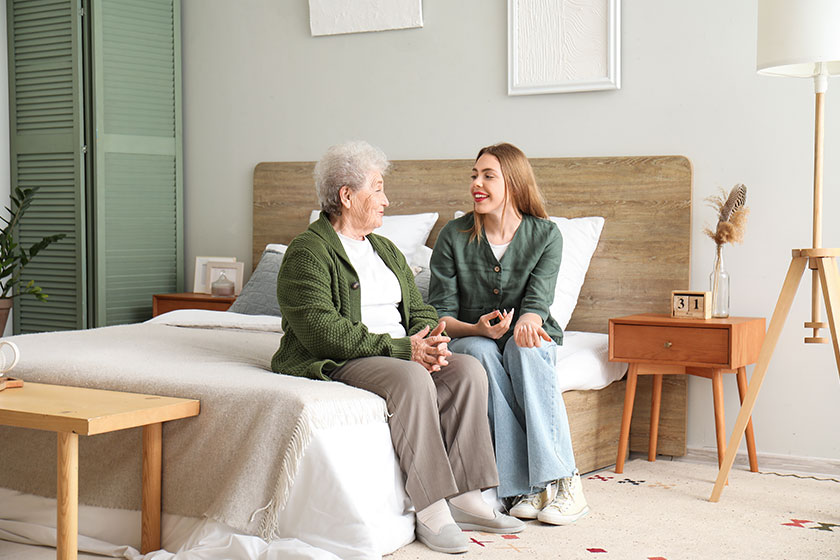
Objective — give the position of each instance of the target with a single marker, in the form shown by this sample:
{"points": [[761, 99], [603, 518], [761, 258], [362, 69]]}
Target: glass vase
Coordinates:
{"points": [[719, 284]]}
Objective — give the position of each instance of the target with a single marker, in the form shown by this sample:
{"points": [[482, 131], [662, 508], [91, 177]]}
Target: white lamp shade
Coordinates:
{"points": [[794, 36]]}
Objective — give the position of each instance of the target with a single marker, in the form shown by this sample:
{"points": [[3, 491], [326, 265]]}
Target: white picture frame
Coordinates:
{"points": [[562, 46], [200, 285], [335, 17], [234, 271]]}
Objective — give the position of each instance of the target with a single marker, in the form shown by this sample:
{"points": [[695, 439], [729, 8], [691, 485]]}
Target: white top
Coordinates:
{"points": [[379, 287], [499, 250]]}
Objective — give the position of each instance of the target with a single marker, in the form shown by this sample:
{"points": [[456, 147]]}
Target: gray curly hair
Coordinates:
{"points": [[346, 164]]}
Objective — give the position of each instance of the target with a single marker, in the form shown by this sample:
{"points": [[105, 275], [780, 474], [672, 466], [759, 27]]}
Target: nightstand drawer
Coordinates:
{"points": [[671, 344]]}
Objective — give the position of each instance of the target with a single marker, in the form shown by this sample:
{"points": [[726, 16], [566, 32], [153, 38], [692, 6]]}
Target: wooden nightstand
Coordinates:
{"points": [[657, 345], [161, 303]]}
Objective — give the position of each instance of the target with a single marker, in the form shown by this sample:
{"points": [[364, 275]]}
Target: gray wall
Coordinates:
{"points": [[258, 87]]}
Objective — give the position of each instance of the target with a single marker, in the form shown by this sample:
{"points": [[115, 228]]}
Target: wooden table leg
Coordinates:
{"points": [[720, 421], [720, 416], [655, 402], [67, 497], [741, 376], [626, 416], [152, 449]]}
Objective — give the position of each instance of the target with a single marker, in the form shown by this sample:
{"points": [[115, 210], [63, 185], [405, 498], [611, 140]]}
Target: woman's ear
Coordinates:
{"points": [[344, 196]]}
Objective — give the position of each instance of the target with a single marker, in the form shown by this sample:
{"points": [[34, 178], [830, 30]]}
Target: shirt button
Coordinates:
{"points": [[354, 286], [498, 269], [496, 291]]}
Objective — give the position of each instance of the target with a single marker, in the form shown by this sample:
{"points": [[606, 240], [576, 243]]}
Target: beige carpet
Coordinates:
{"points": [[661, 511]]}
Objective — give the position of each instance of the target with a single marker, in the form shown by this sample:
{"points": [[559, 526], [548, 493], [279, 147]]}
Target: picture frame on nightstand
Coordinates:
{"points": [[200, 285], [233, 271], [687, 304]]}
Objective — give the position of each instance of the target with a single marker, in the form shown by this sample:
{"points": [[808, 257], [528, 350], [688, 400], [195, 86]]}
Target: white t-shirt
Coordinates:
{"points": [[499, 250], [380, 289]]}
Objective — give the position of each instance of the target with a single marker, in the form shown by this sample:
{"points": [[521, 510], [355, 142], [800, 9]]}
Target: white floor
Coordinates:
{"points": [[768, 463], [782, 465]]}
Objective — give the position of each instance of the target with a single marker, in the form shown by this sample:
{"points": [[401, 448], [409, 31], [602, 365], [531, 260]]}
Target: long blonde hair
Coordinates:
{"points": [[520, 185]]}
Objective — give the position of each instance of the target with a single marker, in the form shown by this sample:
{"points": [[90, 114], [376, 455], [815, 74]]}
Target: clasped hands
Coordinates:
{"points": [[430, 351], [527, 332]]}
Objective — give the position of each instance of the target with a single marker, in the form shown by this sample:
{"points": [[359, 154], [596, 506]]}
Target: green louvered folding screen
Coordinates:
{"points": [[46, 139], [121, 209], [137, 155]]}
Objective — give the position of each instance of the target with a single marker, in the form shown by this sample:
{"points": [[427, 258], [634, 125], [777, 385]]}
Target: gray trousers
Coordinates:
{"points": [[438, 422]]}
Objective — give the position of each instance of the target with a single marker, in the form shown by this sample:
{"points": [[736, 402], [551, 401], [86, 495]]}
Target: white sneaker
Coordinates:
{"points": [[529, 506], [568, 505]]}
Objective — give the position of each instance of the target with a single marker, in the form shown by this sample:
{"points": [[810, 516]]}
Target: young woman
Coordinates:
{"points": [[493, 275]]}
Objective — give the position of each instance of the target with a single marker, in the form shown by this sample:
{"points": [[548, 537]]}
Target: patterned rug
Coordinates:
{"points": [[660, 511]]}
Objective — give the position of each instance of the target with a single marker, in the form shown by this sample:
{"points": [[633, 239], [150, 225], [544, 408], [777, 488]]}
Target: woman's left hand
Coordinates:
{"points": [[528, 331]]}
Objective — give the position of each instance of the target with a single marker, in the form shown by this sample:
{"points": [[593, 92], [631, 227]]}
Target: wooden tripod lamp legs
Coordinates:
{"points": [[830, 277], [794, 275]]}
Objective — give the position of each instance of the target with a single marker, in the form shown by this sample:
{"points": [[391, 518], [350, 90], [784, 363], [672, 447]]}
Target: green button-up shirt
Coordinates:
{"points": [[467, 280]]}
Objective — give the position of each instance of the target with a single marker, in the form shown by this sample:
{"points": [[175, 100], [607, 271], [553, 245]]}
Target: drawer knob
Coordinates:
{"points": [[668, 344]]}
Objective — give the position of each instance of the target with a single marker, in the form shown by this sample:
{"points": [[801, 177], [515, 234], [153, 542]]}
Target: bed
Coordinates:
{"points": [[643, 254], [308, 465]]}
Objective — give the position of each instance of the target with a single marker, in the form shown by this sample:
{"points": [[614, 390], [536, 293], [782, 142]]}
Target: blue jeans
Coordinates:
{"points": [[527, 416]]}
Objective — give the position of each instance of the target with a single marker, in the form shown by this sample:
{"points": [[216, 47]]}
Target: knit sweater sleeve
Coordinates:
{"points": [[420, 313], [305, 288]]}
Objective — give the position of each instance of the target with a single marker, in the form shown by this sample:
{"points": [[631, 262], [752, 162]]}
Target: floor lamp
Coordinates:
{"points": [[797, 38]]}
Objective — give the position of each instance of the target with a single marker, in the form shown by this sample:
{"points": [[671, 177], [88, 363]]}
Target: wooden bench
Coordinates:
{"points": [[74, 411]]}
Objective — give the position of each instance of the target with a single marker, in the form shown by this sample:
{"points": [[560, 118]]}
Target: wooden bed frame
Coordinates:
{"points": [[642, 255]]}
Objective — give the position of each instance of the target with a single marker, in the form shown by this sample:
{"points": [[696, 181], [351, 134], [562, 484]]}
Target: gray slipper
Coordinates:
{"points": [[450, 539], [500, 524]]}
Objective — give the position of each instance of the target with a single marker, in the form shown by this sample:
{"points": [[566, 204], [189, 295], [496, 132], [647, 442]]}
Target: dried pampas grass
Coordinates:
{"points": [[732, 215]]}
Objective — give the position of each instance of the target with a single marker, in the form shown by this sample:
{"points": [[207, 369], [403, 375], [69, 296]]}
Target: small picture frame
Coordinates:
{"points": [[691, 305], [234, 271], [200, 285]]}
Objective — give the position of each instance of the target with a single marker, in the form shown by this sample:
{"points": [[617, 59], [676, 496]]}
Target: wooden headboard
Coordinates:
{"points": [[644, 249]]}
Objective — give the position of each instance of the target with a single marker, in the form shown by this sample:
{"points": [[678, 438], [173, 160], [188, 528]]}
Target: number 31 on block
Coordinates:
{"points": [[691, 305]]}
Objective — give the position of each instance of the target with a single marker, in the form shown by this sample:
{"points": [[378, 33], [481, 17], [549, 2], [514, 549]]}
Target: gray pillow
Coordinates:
{"points": [[259, 296], [422, 280]]}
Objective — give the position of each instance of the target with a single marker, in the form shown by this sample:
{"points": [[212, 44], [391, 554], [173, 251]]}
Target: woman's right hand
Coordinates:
{"points": [[430, 351], [497, 331]]}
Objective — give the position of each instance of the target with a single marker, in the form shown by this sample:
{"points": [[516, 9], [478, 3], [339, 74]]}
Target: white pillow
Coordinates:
{"points": [[422, 257], [276, 248], [580, 239], [409, 232]]}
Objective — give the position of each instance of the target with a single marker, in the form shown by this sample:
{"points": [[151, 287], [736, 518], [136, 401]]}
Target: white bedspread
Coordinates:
{"points": [[234, 463], [347, 502], [257, 434]]}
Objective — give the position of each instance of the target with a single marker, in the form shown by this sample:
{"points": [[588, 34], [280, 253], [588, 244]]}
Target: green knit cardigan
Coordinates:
{"points": [[320, 300]]}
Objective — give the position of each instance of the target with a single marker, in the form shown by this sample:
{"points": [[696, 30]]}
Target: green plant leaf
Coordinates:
{"points": [[14, 258]]}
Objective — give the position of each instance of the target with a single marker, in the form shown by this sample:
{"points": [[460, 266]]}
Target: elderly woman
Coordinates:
{"points": [[352, 313]]}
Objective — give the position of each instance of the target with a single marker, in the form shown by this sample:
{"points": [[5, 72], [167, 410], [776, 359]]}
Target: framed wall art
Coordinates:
{"points": [[559, 46], [334, 17]]}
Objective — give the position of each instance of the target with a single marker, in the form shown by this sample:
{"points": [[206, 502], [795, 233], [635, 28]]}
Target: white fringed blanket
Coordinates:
{"points": [[235, 462]]}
